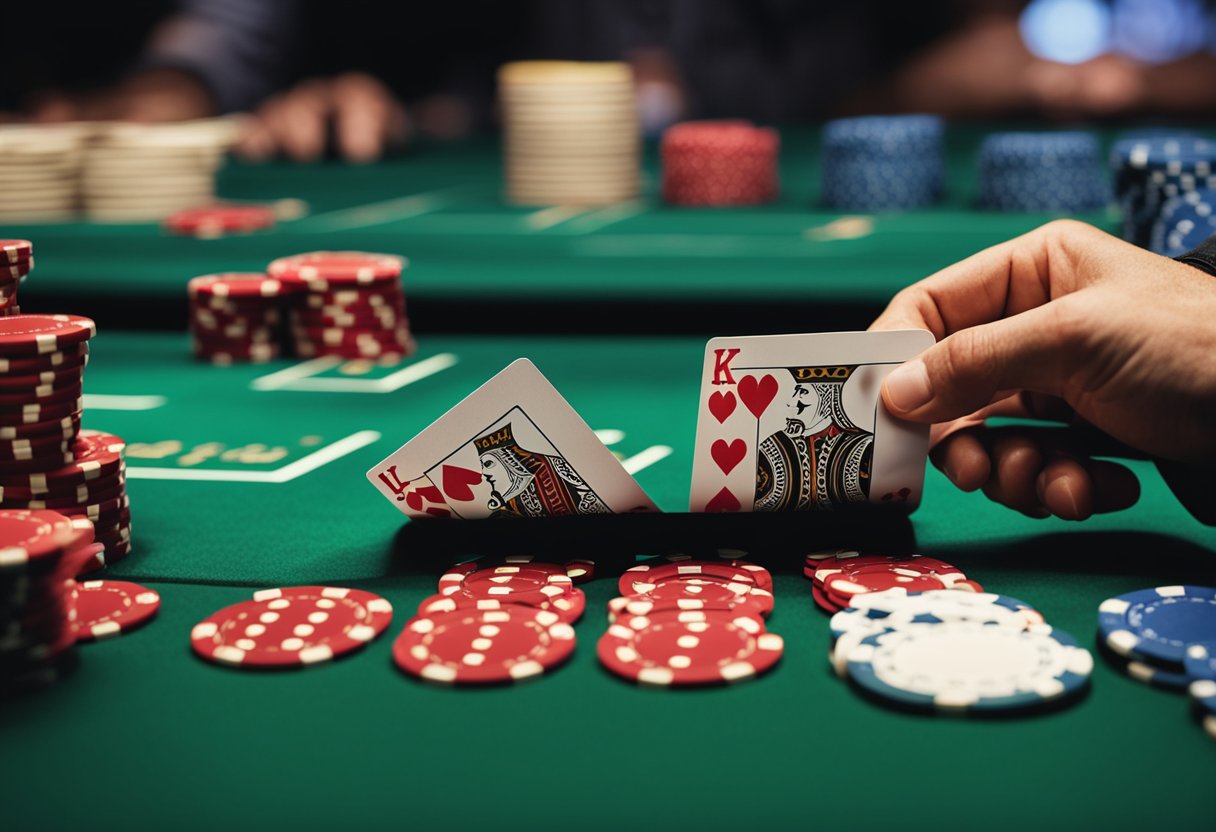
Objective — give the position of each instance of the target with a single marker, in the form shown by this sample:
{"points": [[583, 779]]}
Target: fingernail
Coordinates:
{"points": [[908, 386], [1060, 492]]}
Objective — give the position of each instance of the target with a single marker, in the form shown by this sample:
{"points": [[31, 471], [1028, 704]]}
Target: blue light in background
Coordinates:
{"points": [[1158, 31], [1066, 31]]}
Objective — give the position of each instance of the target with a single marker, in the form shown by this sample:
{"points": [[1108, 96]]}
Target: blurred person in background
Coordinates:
{"points": [[358, 78]]}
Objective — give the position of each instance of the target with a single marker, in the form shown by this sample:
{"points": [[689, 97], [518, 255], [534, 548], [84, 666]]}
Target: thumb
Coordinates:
{"points": [[967, 370]]}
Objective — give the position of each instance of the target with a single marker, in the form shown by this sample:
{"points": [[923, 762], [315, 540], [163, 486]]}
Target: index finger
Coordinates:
{"points": [[995, 283]]}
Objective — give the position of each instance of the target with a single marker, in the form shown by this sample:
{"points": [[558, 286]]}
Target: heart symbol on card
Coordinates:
{"points": [[728, 454], [757, 395], [458, 482], [419, 497], [723, 501], [721, 405]]}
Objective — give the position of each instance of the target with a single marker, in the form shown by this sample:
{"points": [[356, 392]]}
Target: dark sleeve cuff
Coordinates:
{"points": [[1202, 257]]}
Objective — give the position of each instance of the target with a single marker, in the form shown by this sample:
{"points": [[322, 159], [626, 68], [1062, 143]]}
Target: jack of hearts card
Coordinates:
{"points": [[797, 423]]}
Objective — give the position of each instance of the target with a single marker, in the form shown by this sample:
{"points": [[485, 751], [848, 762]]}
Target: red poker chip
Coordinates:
{"points": [[38, 539], [635, 605], [483, 647], [824, 602], [709, 589], [688, 648], [644, 576], [75, 500], [66, 427], [15, 272], [96, 511], [569, 607], [578, 570], [33, 335], [42, 394], [72, 357], [38, 463], [880, 579], [14, 251], [544, 586], [105, 609], [291, 627], [38, 413], [369, 322], [381, 296], [57, 378], [848, 561], [211, 221], [93, 559], [242, 285], [16, 450], [96, 458], [326, 270]]}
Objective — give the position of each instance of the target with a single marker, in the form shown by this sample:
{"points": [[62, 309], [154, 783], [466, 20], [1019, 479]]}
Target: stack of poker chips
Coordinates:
{"points": [[1165, 637], [946, 651], [719, 163], [839, 577], [16, 262], [1185, 221], [495, 624], [571, 133], [40, 172], [1150, 171], [1056, 172], [236, 316], [347, 304], [144, 172], [882, 163], [41, 552], [680, 622]]}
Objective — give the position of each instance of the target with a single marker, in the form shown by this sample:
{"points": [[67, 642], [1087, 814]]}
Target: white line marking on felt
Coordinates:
{"points": [[101, 401], [298, 379], [646, 458], [605, 217], [377, 213], [609, 436], [289, 472], [549, 217]]}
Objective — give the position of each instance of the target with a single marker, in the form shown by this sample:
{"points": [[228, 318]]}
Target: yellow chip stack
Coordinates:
{"points": [[571, 133]]}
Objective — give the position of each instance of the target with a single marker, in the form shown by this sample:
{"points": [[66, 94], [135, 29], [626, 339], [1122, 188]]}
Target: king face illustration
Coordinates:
{"points": [[820, 458], [526, 483]]}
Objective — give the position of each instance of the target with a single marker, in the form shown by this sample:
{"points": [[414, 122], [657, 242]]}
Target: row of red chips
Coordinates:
{"points": [[837, 577], [344, 304], [719, 163]]}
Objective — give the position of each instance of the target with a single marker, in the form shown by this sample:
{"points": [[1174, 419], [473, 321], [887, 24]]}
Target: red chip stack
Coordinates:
{"points": [[236, 316], [719, 163], [350, 304], [41, 552], [16, 261]]}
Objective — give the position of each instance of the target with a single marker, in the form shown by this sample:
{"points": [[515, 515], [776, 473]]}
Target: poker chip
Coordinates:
{"points": [[34, 335], [719, 163], [221, 219], [843, 562], [823, 601], [1151, 171], [66, 359], [105, 609], [708, 589], [480, 647], [1032, 172], [242, 285], [644, 577], [291, 627], [96, 456], [1152, 675], [863, 580], [14, 251], [1184, 222], [967, 666], [1200, 660], [578, 570], [882, 163], [643, 606], [321, 271], [1158, 624], [1203, 693], [688, 647], [544, 586]]}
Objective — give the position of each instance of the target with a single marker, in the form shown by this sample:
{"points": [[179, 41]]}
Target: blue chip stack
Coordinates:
{"points": [[882, 163], [1151, 171], [1032, 172], [1185, 221]]}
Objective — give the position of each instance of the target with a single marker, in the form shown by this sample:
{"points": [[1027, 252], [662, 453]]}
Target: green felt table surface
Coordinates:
{"points": [[442, 206], [242, 477]]}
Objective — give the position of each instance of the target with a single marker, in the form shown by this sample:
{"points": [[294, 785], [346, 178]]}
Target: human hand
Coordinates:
{"points": [[366, 120], [1067, 324]]}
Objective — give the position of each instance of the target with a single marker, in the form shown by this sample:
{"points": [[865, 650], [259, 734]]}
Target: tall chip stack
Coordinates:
{"points": [[719, 163], [145, 172], [41, 552], [1151, 171], [1033, 172], [571, 133], [882, 163], [236, 316], [39, 172], [46, 460]]}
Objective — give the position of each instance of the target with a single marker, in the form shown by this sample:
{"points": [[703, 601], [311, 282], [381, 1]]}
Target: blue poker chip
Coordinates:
{"points": [[1059, 172], [882, 163], [970, 667], [1200, 661], [1184, 222], [1203, 694], [1159, 623], [1149, 170], [875, 611], [1153, 675]]}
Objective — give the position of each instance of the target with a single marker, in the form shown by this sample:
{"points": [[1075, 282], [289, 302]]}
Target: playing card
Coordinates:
{"points": [[513, 447], [796, 423]]}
